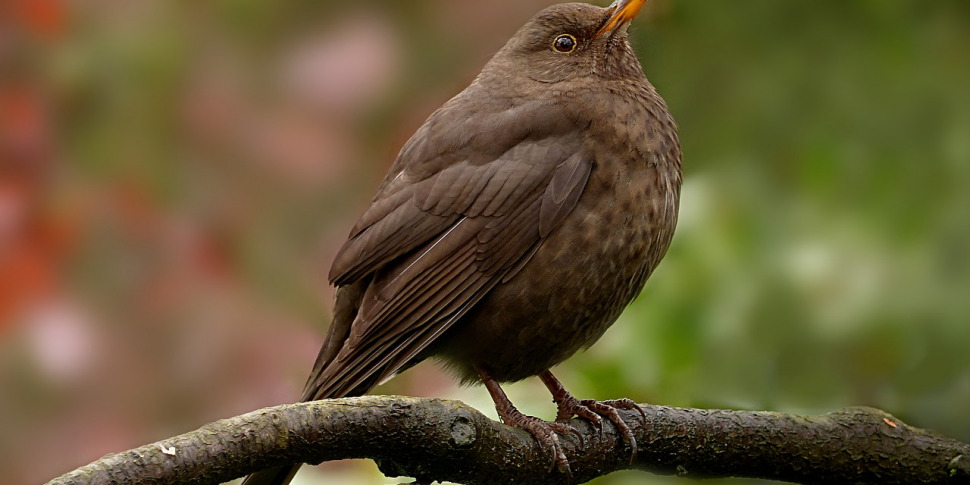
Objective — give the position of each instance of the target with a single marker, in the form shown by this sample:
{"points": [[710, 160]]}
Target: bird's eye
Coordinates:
{"points": [[564, 43]]}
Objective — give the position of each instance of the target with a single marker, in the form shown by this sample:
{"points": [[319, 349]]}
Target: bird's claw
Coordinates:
{"points": [[545, 434], [593, 411], [610, 410], [628, 404], [570, 407]]}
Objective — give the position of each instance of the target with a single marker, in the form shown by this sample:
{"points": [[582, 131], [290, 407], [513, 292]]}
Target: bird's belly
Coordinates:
{"points": [[575, 286]]}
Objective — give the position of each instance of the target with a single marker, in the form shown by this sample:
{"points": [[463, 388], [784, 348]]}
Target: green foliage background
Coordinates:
{"points": [[822, 260]]}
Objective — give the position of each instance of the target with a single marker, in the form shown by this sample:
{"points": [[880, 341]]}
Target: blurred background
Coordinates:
{"points": [[176, 176]]}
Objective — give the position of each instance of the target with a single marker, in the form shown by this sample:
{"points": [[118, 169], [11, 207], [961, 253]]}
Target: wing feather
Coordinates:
{"points": [[456, 216], [563, 192]]}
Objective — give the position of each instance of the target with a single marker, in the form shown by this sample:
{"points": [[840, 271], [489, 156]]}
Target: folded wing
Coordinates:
{"points": [[460, 212]]}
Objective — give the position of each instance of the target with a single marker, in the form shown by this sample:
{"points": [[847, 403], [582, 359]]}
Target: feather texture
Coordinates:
{"points": [[443, 230]]}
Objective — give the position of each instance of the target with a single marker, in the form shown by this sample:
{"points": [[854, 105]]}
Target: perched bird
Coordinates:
{"points": [[514, 226]]}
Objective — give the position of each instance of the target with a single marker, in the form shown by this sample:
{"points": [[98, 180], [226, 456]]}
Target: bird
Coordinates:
{"points": [[513, 227]]}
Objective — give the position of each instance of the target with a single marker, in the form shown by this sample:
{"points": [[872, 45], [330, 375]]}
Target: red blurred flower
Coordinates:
{"points": [[45, 18]]}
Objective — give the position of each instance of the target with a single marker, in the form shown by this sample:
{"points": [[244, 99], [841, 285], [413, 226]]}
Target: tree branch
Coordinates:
{"points": [[446, 440]]}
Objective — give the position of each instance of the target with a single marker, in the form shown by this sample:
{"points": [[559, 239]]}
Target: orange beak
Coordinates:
{"points": [[624, 11]]}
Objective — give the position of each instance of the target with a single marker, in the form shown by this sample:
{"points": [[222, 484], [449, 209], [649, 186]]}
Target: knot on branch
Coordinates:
{"points": [[463, 431]]}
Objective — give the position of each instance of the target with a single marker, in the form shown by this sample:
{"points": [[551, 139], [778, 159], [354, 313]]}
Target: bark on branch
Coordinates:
{"points": [[434, 439]]}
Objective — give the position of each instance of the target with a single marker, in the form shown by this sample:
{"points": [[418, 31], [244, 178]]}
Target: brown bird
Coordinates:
{"points": [[514, 226]]}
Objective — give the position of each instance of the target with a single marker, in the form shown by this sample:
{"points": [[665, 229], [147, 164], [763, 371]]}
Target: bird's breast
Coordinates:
{"points": [[585, 272]]}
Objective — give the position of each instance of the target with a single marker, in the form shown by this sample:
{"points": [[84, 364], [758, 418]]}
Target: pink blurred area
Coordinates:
{"points": [[174, 180]]}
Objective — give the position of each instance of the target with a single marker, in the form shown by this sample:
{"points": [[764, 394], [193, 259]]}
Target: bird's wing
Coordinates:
{"points": [[465, 206]]}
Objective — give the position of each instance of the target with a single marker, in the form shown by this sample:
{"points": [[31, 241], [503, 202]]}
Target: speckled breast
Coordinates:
{"points": [[582, 276]]}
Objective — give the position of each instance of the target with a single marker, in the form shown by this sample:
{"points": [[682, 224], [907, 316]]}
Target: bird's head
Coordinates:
{"points": [[573, 40]]}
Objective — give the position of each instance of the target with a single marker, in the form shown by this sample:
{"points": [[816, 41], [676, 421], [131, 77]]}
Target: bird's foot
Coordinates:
{"points": [[545, 432], [593, 411]]}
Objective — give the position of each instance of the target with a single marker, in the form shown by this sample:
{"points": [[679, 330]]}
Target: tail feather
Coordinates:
{"points": [[273, 476]]}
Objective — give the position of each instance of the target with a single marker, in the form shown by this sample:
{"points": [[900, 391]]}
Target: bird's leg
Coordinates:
{"points": [[543, 431], [591, 410]]}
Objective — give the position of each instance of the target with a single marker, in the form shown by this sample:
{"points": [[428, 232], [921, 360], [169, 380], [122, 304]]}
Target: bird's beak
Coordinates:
{"points": [[623, 11]]}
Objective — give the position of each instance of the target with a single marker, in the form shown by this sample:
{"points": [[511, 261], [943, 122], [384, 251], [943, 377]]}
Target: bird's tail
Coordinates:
{"points": [[273, 476]]}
